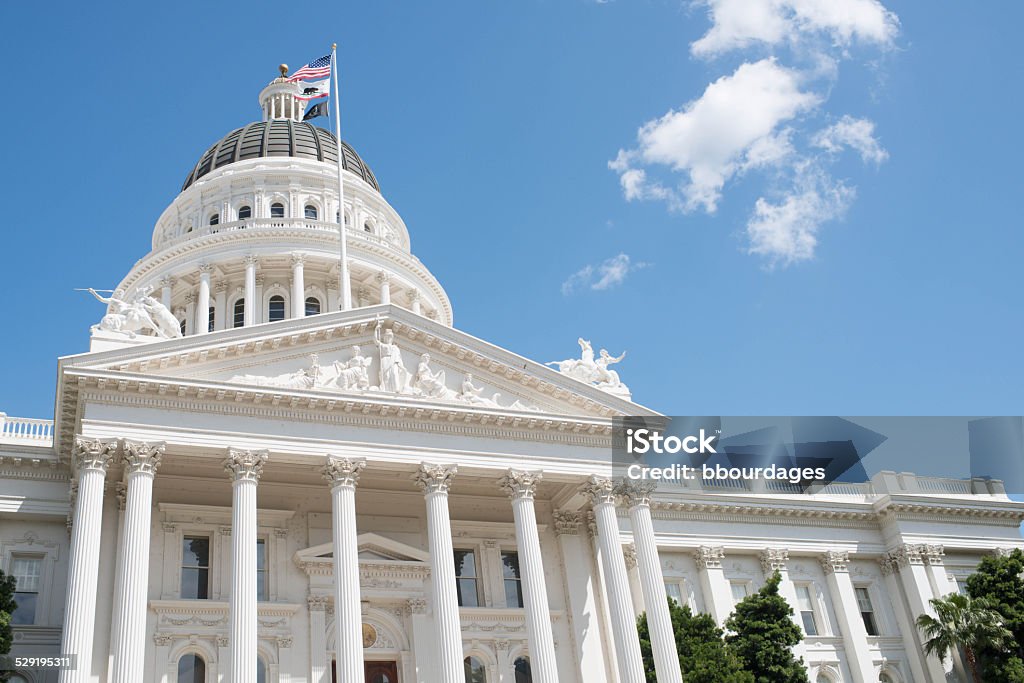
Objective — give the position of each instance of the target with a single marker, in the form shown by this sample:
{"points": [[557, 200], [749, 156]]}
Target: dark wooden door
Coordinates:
{"points": [[381, 672]]}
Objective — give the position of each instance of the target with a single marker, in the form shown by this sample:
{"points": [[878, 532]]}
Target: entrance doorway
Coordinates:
{"points": [[373, 672]]}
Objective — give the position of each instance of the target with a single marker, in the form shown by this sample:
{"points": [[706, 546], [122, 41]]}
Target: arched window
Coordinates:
{"points": [[239, 313], [17, 678], [215, 219], [822, 678], [245, 213], [522, 668], [337, 218], [261, 671], [475, 671], [191, 669], [367, 227], [884, 678], [276, 311], [209, 325], [277, 210], [312, 306], [310, 213]]}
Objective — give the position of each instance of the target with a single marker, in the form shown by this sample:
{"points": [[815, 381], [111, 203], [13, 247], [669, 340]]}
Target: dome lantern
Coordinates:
{"points": [[278, 100]]}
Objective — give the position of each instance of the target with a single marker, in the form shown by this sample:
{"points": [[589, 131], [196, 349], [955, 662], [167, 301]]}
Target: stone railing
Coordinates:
{"points": [[25, 430], [278, 224]]}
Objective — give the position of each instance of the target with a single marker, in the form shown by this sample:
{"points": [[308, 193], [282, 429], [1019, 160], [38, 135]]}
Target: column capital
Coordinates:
{"points": [[709, 557], [435, 478], [599, 490], [190, 298], [205, 269], [636, 492], [251, 259], [773, 560], [413, 295], [383, 276], [886, 565], [93, 454], [139, 456], [167, 281], [317, 603], [298, 258], [221, 287], [342, 471], [245, 465], [933, 554], [416, 605], [520, 483], [835, 561], [567, 523], [906, 555]]}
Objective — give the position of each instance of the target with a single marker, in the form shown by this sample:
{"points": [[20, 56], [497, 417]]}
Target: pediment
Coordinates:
{"points": [[374, 355], [372, 548]]}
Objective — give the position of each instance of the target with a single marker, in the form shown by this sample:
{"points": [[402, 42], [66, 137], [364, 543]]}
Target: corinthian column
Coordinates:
{"points": [[521, 487], [203, 304], [343, 474], [245, 468], [627, 640], [90, 459], [385, 287], [249, 316], [435, 480], [298, 286], [141, 461], [637, 495]]}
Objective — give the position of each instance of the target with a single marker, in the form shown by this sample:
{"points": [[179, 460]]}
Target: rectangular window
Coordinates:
{"points": [[27, 573], [674, 592], [467, 582], [195, 568], [262, 571], [867, 611], [739, 591], [513, 580], [806, 605]]}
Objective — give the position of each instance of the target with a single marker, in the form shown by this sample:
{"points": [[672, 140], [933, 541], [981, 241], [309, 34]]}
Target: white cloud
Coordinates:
{"points": [[786, 232], [858, 134], [731, 127], [740, 24], [605, 275]]}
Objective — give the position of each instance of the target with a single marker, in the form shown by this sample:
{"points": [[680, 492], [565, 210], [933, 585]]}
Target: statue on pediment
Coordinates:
{"points": [[393, 375], [471, 394], [429, 383], [353, 374], [140, 314], [594, 371]]}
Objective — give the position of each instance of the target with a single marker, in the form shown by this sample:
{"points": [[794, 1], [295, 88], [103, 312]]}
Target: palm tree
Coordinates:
{"points": [[962, 622]]}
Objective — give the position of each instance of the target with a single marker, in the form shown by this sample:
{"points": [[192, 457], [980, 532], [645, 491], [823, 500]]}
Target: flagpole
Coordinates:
{"points": [[345, 302]]}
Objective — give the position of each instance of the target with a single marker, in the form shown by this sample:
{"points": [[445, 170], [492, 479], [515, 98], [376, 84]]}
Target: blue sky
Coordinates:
{"points": [[864, 251]]}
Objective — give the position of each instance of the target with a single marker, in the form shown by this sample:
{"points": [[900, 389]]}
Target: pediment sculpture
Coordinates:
{"points": [[142, 313], [353, 376], [594, 371]]}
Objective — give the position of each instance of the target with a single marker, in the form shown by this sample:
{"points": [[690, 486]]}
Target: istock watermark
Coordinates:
{"points": [[789, 455]]}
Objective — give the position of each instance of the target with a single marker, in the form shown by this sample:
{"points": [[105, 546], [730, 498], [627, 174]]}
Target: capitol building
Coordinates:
{"points": [[277, 466]]}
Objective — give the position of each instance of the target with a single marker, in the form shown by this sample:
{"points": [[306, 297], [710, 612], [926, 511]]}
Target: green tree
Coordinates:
{"points": [[703, 655], [998, 580], [961, 621], [763, 634], [7, 605]]}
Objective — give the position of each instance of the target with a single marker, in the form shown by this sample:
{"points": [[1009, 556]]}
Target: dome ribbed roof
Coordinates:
{"points": [[279, 138]]}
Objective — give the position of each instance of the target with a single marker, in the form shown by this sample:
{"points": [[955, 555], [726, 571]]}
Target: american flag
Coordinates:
{"points": [[318, 68]]}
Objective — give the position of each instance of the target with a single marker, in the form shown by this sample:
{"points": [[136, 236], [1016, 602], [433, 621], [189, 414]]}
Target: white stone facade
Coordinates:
{"points": [[336, 464]]}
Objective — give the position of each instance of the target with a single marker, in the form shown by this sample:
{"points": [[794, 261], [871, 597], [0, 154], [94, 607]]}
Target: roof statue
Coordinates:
{"points": [[594, 371], [140, 314]]}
